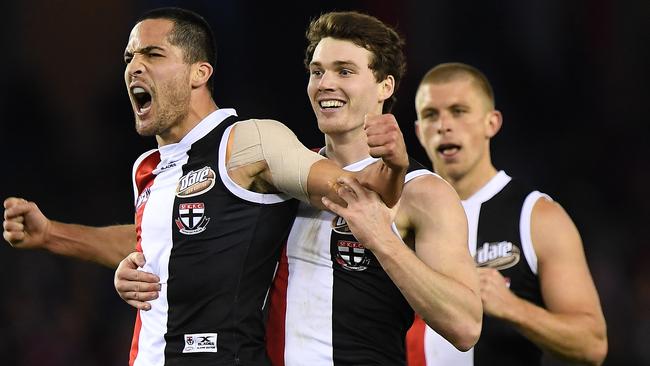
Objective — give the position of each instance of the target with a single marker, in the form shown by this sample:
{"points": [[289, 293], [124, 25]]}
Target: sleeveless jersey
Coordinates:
{"points": [[331, 302], [214, 245], [499, 237]]}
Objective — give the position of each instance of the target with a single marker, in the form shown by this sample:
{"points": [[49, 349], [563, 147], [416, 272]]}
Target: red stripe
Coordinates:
{"points": [[415, 343], [275, 326], [144, 179], [135, 340]]}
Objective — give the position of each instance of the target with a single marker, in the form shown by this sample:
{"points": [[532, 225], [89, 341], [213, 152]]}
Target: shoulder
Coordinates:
{"points": [[429, 201], [428, 187], [552, 230]]}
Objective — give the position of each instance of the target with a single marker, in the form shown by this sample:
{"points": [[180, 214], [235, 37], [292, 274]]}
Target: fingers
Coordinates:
{"points": [[136, 287], [13, 231], [334, 207], [13, 225], [16, 208]]}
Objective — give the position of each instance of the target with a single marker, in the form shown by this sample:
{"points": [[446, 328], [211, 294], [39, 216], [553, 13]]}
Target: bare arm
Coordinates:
{"points": [[439, 279], [26, 227], [572, 326]]}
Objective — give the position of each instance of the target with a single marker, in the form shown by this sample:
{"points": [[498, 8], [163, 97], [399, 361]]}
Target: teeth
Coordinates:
{"points": [[138, 90], [331, 103]]}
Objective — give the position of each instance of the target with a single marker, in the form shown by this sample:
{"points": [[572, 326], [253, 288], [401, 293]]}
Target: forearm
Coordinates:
{"points": [[388, 182], [577, 337], [104, 245], [448, 306]]}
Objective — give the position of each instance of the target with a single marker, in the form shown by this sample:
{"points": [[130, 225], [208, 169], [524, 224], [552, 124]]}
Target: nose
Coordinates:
{"points": [[135, 67], [444, 124], [326, 81]]}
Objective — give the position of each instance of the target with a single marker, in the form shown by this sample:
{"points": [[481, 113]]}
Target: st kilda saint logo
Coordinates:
{"points": [[346, 250], [191, 218]]}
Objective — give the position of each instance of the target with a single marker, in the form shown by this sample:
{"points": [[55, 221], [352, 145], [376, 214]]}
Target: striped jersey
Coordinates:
{"points": [[331, 302], [499, 218], [214, 246]]}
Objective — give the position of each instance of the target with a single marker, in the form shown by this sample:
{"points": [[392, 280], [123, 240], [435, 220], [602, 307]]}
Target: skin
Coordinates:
{"points": [[180, 99], [431, 266], [572, 325]]}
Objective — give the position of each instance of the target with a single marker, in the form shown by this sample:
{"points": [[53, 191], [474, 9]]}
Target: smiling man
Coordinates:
{"points": [[348, 282]]}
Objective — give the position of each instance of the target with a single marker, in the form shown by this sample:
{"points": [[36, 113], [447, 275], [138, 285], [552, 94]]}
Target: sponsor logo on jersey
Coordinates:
{"points": [[339, 225], [200, 342], [195, 182], [497, 255], [191, 218], [142, 198]]}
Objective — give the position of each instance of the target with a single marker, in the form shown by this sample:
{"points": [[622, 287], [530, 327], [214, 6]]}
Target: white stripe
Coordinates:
{"points": [[308, 323], [234, 188], [157, 245], [524, 228], [418, 173]]}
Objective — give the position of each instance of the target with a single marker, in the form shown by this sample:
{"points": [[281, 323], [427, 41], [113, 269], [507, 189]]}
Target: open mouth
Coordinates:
{"points": [[448, 149], [331, 104], [142, 99]]}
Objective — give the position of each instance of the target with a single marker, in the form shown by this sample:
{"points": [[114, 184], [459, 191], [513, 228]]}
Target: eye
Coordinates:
{"points": [[430, 115], [316, 72], [345, 72], [458, 111]]}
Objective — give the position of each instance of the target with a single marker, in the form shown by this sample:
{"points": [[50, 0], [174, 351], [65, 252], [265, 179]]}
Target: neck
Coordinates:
{"points": [[471, 182], [348, 147], [200, 108]]}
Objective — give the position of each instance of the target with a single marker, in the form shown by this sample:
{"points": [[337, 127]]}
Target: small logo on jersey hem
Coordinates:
{"points": [[191, 219], [195, 182], [200, 342], [497, 255]]}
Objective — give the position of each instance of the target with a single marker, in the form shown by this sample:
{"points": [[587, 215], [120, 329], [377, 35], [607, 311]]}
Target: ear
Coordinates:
{"points": [[494, 121], [200, 73], [386, 87]]}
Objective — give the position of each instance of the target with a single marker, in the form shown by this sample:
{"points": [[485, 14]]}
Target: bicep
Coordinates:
{"points": [[565, 280], [440, 227]]}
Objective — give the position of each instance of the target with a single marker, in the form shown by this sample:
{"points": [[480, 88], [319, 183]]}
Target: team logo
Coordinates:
{"points": [[200, 342], [497, 255], [351, 255], [191, 219], [195, 182], [348, 253], [142, 198]]}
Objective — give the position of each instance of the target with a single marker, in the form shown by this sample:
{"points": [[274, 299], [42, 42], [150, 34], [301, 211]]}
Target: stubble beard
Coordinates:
{"points": [[173, 107]]}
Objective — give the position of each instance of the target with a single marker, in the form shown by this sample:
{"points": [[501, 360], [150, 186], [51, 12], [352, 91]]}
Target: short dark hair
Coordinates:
{"points": [[452, 71], [365, 31], [191, 32]]}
